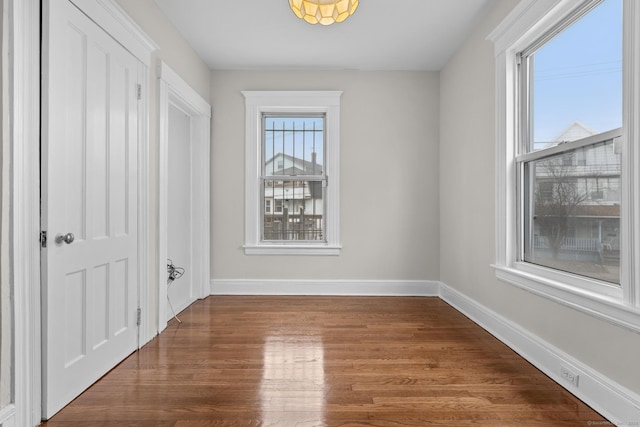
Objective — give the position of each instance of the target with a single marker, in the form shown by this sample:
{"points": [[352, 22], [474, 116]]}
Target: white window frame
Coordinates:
{"points": [[527, 22], [258, 103]]}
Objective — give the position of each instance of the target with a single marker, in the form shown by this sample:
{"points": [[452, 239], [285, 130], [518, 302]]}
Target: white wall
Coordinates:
{"points": [[467, 212], [173, 48], [389, 176]]}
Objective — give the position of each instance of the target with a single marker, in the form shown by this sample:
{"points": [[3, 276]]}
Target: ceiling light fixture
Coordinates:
{"points": [[324, 12]]}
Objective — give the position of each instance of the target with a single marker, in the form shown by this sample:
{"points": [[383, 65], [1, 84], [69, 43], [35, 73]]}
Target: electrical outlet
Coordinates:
{"points": [[569, 375]]}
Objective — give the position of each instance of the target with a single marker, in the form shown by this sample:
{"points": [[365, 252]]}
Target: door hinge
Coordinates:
{"points": [[139, 92], [138, 316], [43, 239]]}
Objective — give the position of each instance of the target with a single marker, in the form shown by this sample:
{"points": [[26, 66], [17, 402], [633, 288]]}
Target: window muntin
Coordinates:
{"points": [[568, 167], [293, 177]]}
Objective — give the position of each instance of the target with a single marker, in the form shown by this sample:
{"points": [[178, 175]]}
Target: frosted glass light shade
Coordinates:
{"points": [[324, 12]]}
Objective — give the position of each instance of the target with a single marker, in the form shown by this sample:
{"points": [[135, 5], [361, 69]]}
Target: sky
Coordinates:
{"points": [[283, 142], [578, 75]]}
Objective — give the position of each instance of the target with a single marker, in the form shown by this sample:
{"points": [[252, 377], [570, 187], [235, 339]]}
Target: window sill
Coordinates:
{"points": [[605, 307], [292, 249]]}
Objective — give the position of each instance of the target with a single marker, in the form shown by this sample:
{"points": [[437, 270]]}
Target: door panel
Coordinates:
{"points": [[89, 189]]}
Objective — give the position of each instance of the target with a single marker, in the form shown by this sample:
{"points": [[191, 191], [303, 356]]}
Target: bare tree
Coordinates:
{"points": [[557, 197]]}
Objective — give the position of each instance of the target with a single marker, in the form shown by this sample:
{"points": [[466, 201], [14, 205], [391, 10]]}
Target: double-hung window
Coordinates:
{"points": [[567, 152], [570, 95], [293, 177], [292, 170]]}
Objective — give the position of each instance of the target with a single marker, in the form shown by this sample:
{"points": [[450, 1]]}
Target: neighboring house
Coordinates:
{"points": [[578, 200], [576, 130], [293, 208], [573, 132]]}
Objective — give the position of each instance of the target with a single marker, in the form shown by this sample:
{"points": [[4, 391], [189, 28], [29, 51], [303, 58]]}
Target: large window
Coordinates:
{"points": [[571, 111], [292, 171], [568, 86]]}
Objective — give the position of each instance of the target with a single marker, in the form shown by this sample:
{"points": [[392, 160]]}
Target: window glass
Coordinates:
{"points": [[298, 213], [293, 145], [576, 79], [573, 212], [571, 176], [293, 177]]}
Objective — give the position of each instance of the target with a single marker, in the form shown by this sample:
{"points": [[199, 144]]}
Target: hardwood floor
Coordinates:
{"points": [[324, 361]]}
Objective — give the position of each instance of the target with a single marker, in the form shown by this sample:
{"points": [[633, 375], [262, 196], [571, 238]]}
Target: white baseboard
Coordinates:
{"points": [[618, 404], [424, 288]]}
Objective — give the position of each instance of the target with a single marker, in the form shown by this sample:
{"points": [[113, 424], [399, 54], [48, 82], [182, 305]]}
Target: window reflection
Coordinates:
{"points": [[293, 380]]}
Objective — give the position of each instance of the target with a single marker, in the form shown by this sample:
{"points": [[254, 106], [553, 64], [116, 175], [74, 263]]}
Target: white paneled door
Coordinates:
{"points": [[89, 203]]}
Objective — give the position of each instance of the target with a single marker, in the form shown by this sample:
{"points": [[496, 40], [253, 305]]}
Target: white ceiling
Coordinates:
{"points": [[381, 35]]}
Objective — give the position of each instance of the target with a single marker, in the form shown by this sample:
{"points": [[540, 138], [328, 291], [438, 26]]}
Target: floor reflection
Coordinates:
{"points": [[292, 387]]}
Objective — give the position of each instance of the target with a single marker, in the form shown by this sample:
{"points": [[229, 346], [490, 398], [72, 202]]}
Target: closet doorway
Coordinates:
{"points": [[183, 221]]}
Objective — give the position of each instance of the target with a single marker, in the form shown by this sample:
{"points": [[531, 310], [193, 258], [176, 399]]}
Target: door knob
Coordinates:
{"points": [[66, 238]]}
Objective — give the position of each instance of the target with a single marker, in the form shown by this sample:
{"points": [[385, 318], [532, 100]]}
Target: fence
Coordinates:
{"points": [[570, 243]]}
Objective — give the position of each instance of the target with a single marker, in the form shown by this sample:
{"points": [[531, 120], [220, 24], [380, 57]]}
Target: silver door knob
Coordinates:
{"points": [[66, 238]]}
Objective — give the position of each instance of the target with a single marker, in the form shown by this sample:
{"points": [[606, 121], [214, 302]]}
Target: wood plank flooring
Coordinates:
{"points": [[324, 361]]}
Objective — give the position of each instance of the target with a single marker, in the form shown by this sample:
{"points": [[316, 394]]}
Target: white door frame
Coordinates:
{"points": [[173, 90], [24, 93], [25, 187]]}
